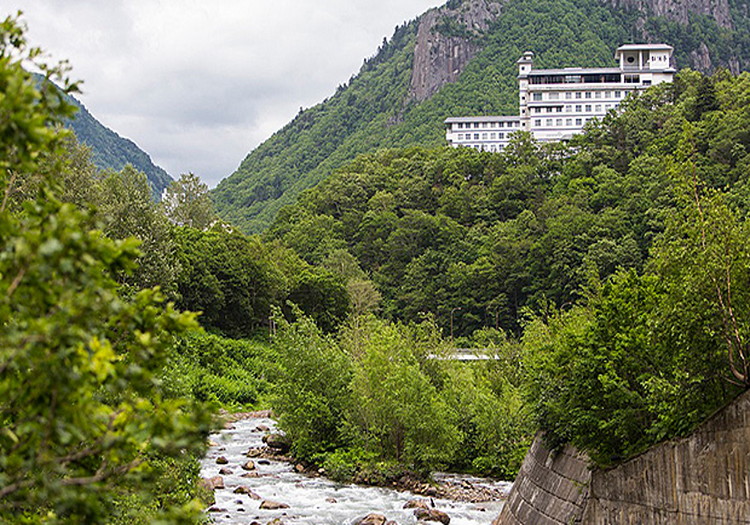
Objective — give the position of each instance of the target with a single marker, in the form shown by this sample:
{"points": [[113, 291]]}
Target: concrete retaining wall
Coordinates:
{"points": [[704, 478], [550, 489]]}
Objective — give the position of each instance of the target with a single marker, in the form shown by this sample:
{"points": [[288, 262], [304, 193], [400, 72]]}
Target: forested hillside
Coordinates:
{"points": [[464, 65], [491, 234], [111, 151]]}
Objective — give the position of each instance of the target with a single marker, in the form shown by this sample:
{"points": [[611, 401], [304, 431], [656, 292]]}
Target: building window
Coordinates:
{"points": [[538, 123], [632, 79], [484, 136], [476, 136], [617, 94], [646, 82], [588, 94], [579, 122], [493, 135], [598, 108], [558, 109], [588, 108], [568, 122], [607, 94], [607, 107], [460, 136], [501, 136], [500, 124], [568, 109], [568, 95], [485, 124], [554, 96], [536, 96], [579, 108], [548, 122], [598, 94], [476, 125], [558, 122], [578, 94]]}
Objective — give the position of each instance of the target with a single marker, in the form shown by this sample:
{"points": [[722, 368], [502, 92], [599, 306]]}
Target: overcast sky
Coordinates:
{"points": [[198, 84]]}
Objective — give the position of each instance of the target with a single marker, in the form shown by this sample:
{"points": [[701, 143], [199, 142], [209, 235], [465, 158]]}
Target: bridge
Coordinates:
{"points": [[466, 354]]}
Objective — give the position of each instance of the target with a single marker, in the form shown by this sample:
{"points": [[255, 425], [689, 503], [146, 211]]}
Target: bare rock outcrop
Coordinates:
{"points": [[446, 42], [679, 10]]}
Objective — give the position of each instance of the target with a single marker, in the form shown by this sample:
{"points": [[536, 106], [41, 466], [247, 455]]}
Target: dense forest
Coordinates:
{"points": [[376, 109], [608, 279]]}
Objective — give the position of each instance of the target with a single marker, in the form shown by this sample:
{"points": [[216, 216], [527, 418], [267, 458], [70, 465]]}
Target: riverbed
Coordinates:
{"points": [[315, 500]]}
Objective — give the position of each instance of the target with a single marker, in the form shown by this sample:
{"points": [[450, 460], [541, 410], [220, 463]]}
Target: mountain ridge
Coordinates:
{"points": [[465, 65], [109, 150]]}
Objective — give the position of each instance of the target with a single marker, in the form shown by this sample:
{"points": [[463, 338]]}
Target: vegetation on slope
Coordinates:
{"points": [[111, 151], [374, 110], [621, 260]]}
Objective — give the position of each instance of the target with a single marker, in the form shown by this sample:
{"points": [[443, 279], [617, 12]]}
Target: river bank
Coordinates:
{"points": [[268, 487]]}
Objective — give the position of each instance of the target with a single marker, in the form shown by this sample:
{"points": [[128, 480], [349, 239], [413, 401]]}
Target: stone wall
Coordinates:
{"points": [[550, 489], [704, 478]]}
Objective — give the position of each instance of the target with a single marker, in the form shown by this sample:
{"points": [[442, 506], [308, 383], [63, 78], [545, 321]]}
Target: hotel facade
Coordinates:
{"points": [[555, 104]]}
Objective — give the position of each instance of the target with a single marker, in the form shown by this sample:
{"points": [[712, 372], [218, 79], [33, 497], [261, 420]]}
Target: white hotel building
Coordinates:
{"points": [[554, 104]]}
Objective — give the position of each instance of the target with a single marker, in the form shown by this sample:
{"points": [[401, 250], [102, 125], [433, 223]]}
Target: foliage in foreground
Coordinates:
{"points": [[88, 433]]}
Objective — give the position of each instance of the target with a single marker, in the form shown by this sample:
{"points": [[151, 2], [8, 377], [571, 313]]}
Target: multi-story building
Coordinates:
{"points": [[555, 104]]}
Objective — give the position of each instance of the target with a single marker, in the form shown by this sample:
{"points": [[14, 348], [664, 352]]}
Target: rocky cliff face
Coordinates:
{"points": [[446, 42], [679, 10]]}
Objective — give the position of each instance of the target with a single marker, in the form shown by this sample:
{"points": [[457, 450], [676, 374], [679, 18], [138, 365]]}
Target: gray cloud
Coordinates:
{"points": [[200, 83]]}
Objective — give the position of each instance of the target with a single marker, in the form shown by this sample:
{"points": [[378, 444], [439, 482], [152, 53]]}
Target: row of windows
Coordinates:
{"points": [[485, 136], [578, 108], [569, 95], [591, 78], [558, 122], [477, 125], [494, 148]]}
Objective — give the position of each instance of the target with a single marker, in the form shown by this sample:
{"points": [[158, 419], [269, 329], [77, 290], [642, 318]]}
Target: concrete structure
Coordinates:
{"points": [[555, 104], [703, 478]]}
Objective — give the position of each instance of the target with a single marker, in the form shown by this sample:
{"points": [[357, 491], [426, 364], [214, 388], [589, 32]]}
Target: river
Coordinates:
{"points": [[315, 500]]}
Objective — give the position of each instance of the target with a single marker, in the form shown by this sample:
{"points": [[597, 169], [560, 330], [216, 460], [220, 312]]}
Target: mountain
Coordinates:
{"points": [[460, 59], [111, 151]]}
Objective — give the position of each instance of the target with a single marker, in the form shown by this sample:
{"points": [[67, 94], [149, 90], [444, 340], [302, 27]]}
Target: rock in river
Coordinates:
{"points": [[267, 504], [278, 442], [371, 519], [432, 515]]}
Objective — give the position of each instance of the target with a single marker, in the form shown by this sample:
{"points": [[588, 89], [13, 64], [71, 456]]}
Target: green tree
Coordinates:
{"points": [[85, 422], [186, 202]]}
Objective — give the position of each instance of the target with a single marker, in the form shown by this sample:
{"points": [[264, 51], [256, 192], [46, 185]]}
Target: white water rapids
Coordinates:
{"points": [[314, 500]]}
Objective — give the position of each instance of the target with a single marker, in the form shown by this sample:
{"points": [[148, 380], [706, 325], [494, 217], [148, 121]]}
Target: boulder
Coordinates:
{"points": [[221, 460], [253, 474], [262, 428], [249, 465], [216, 482], [299, 467], [391, 523], [217, 509], [416, 504], [277, 442], [253, 452], [267, 504], [246, 490], [432, 515], [371, 519], [275, 521], [263, 462], [330, 500], [225, 472]]}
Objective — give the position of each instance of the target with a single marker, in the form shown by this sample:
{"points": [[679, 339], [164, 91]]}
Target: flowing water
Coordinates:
{"points": [[315, 500]]}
